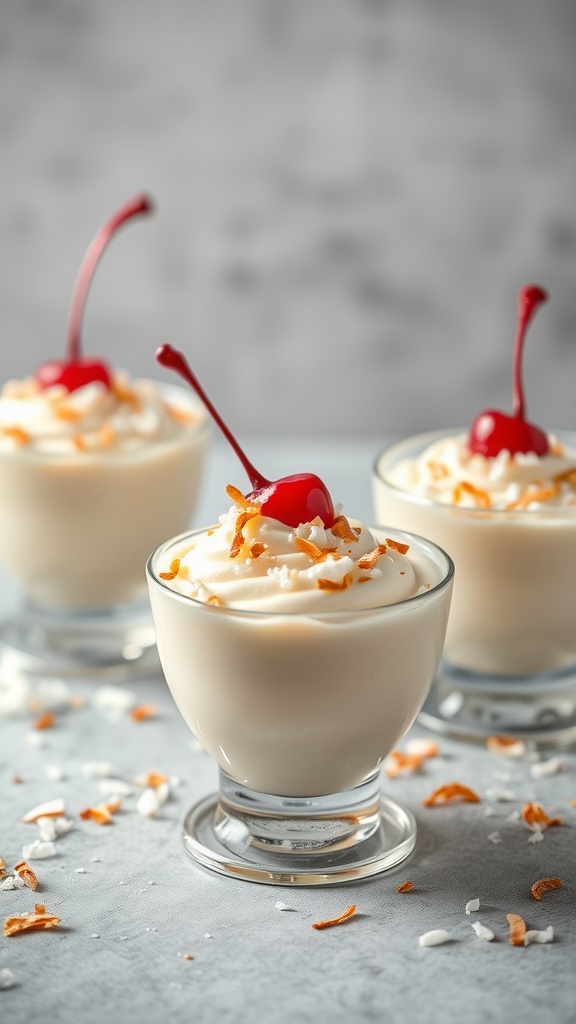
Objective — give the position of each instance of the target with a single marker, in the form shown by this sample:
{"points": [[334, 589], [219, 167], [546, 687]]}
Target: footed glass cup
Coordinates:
{"points": [[75, 532], [299, 710], [509, 664]]}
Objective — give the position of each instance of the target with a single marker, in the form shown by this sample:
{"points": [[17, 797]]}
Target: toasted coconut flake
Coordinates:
{"points": [[17, 780], [506, 746], [342, 584], [106, 435], [173, 572], [449, 792], [544, 885], [540, 495], [238, 539], [181, 415], [313, 551], [341, 528], [396, 545], [480, 497], [336, 920], [534, 814], [152, 780], [257, 549], [25, 872], [244, 503], [438, 470], [36, 920], [369, 560], [143, 711], [50, 809], [19, 436], [46, 721], [517, 929], [3, 872], [405, 887], [422, 747], [187, 956], [125, 394], [398, 763], [100, 815], [214, 600]]}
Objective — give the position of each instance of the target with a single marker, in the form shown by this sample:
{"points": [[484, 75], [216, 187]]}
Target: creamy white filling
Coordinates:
{"points": [[448, 472], [126, 417], [273, 567]]}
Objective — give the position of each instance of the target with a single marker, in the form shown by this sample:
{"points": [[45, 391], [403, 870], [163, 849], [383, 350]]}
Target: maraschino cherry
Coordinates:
{"points": [[493, 431], [293, 499], [74, 371]]}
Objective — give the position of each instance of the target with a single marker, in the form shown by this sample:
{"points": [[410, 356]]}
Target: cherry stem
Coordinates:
{"points": [[140, 204], [174, 360], [529, 298]]}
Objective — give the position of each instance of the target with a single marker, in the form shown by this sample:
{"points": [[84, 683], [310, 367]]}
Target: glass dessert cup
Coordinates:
{"points": [[299, 710], [75, 532], [509, 664]]}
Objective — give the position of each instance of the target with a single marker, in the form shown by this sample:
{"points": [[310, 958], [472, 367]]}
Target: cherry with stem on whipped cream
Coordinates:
{"points": [[74, 371], [492, 431], [292, 499]]}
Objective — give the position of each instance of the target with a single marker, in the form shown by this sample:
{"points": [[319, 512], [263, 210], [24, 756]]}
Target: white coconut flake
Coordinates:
{"points": [[114, 700], [63, 825], [421, 747], [47, 829], [7, 978], [489, 812], [38, 850], [35, 739], [96, 769], [7, 883], [513, 816], [115, 787], [207, 935], [500, 795], [482, 931], [148, 804], [54, 694], [472, 906], [537, 833], [49, 809], [80, 871], [547, 935], [95, 935], [279, 905], [542, 769], [436, 937], [495, 838], [54, 772]]}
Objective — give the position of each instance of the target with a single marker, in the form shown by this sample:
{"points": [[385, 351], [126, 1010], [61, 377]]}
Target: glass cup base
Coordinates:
{"points": [[110, 645], [299, 841], [540, 709]]}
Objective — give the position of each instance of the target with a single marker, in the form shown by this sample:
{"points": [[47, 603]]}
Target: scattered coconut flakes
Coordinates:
{"points": [[495, 838], [26, 874], [506, 746], [537, 835], [279, 905], [500, 795], [398, 763], [45, 721], [35, 739], [114, 699], [148, 803], [9, 882], [436, 937], [330, 922], [451, 791], [101, 815], [143, 712], [482, 931], [422, 747], [115, 787], [534, 813], [96, 769], [544, 885], [542, 769], [38, 850], [546, 935], [50, 809], [513, 816], [63, 825], [405, 887], [517, 929], [54, 772], [7, 978], [36, 920], [473, 905]]}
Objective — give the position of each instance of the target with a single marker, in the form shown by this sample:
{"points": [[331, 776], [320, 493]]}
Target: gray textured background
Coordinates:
{"points": [[349, 194]]}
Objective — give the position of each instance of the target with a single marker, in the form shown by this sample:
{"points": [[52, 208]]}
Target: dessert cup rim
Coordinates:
{"points": [[322, 614], [429, 436]]}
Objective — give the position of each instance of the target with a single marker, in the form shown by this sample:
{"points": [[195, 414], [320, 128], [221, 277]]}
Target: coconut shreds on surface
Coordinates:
{"points": [[517, 929], [484, 933], [544, 885], [36, 920], [405, 887], [330, 922], [436, 937], [50, 809], [506, 746], [472, 906], [534, 814], [451, 791]]}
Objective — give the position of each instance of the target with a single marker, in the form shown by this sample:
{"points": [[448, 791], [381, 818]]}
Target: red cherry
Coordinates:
{"points": [[74, 372], [493, 431], [292, 499]]}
